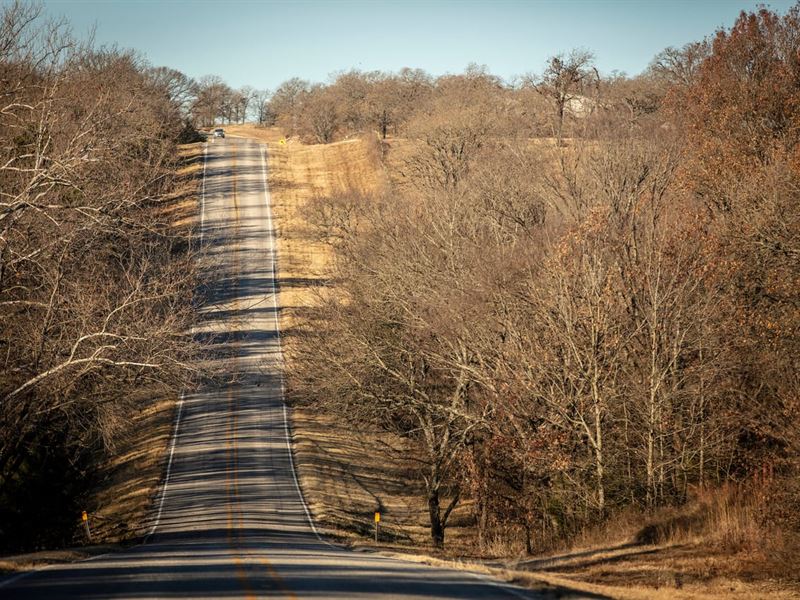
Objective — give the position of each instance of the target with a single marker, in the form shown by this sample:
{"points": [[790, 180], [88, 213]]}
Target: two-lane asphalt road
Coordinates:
{"points": [[230, 522]]}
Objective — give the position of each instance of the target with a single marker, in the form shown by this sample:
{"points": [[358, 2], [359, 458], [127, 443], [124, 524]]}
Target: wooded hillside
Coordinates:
{"points": [[579, 294], [96, 282]]}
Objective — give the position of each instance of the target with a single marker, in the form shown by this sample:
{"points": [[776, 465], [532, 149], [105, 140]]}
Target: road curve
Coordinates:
{"points": [[230, 522]]}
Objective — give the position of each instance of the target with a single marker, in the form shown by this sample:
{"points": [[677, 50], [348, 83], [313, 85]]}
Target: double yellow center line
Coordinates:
{"points": [[234, 509]]}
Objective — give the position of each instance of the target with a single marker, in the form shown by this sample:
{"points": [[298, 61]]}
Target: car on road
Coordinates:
{"points": [[220, 133]]}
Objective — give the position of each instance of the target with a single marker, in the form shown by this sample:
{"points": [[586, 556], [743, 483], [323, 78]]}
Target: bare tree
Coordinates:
{"points": [[286, 103], [95, 285], [245, 96], [213, 100], [181, 89], [261, 105], [319, 114], [567, 79], [680, 66]]}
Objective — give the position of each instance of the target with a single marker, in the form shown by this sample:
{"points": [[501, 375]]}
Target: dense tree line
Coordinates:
{"points": [[553, 102], [567, 329], [96, 283]]}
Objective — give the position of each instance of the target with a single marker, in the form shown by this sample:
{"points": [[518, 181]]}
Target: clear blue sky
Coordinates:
{"points": [[262, 43]]}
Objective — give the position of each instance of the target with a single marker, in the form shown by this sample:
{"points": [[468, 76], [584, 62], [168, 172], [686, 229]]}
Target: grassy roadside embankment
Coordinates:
{"points": [[128, 479], [123, 501], [346, 474]]}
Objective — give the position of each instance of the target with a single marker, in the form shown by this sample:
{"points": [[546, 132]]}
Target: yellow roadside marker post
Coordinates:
{"points": [[377, 525], [85, 519]]}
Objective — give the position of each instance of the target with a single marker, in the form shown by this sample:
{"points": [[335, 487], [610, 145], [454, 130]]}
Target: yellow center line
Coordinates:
{"points": [[241, 572], [231, 471], [278, 579], [232, 441]]}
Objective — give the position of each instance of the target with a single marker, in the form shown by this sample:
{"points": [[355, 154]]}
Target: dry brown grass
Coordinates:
{"points": [[299, 173], [657, 578], [120, 505], [34, 560], [181, 208], [687, 570], [346, 475], [128, 480], [716, 546]]}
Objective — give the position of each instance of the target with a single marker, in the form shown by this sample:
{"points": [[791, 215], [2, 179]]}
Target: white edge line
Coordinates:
{"points": [[19, 576], [14, 578], [486, 579], [203, 194], [183, 394], [169, 469], [506, 587], [280, 348]]}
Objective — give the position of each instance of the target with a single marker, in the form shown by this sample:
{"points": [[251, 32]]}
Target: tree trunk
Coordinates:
{"points": [[437, 527], [483, 522], [702, 417], [528, 544], [560, 103], [439, 519]]}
